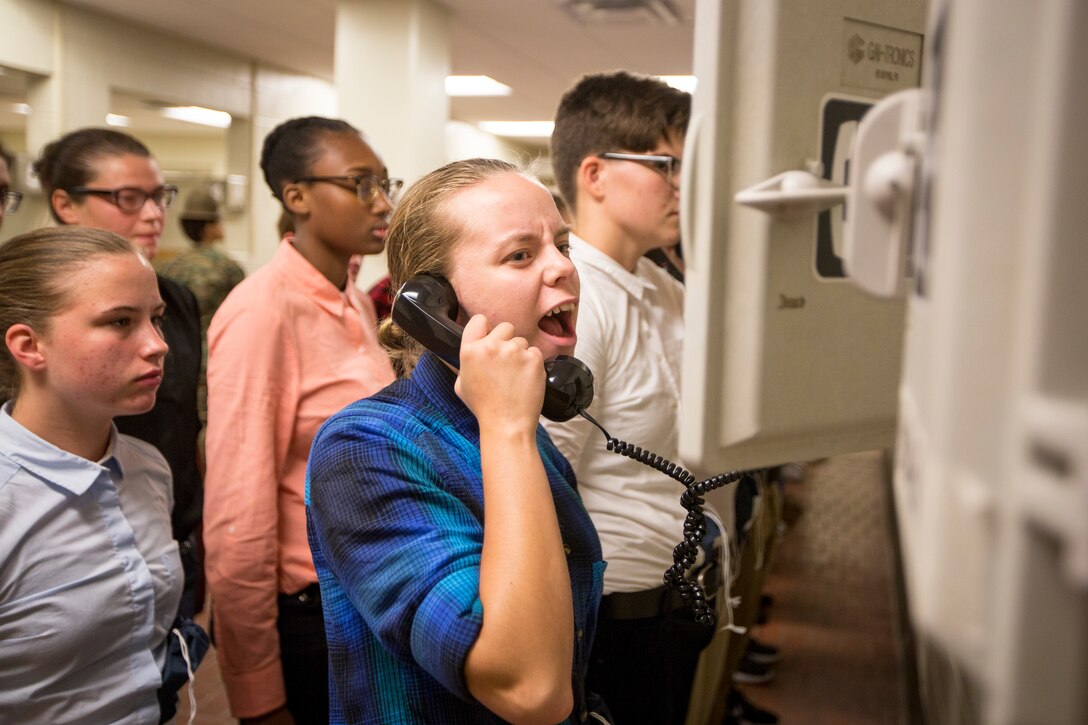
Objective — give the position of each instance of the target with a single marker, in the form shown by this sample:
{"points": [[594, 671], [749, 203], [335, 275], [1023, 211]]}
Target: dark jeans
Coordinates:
{"points": [[191, 552], [305, 656], [644, 668]]}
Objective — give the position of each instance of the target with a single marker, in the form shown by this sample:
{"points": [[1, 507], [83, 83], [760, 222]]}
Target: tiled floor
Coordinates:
{"points": [[834, 606], [833, 613]]}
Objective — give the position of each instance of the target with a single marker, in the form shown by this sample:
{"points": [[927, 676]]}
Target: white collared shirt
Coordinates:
{"points": [[631, 335], [90, 580]]}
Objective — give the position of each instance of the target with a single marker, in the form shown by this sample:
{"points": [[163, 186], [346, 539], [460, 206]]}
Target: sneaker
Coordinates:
{"points": [[743, 712], [764, 654], [752, 673]]}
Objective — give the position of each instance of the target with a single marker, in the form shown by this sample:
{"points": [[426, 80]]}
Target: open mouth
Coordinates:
{"points": [[559, 322]]}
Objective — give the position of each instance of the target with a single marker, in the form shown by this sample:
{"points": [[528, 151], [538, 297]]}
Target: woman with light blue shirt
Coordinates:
{"points": [[90, 576]]}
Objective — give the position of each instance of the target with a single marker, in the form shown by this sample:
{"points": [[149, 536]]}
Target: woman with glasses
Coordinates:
{"points": [[616, 152], [291, 345], [102, 178]]}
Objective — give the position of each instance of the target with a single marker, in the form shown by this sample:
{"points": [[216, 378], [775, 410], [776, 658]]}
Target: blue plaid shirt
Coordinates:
{"points": [[394, 503]]}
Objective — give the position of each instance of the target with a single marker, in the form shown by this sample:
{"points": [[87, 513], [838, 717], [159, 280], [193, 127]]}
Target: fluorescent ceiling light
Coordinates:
{"points": [[683, 83], [196, 114], [519, 129], [23, 109], [475, 86], [116, 119]]}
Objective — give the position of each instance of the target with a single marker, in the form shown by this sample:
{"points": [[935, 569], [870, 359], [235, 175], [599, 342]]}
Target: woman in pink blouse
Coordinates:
{"points": [[291, 345]]}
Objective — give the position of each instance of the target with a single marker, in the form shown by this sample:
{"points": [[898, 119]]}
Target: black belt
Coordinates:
{"points": [[640, 605]]}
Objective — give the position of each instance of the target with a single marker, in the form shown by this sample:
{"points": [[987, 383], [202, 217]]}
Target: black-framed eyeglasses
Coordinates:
{"points": [[367, 186], [666, 165], [9, 201], [131, 199]]}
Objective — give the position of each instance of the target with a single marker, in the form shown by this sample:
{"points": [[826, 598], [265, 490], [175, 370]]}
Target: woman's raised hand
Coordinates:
{"points": [[502, 378]]}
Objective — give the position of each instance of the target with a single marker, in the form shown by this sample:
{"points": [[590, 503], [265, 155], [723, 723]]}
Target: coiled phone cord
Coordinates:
{"points": [[685, 553]]}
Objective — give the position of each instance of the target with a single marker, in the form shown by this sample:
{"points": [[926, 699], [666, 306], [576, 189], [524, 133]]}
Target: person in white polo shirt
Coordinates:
{"points": [[616, 153]]}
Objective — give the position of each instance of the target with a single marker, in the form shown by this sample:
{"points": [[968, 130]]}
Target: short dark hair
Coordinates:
{"points": [[290, 149], [609, 112], [69, 161]]}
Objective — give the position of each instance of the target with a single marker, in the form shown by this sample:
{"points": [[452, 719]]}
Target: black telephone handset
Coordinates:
{"points": [[426, 308]]}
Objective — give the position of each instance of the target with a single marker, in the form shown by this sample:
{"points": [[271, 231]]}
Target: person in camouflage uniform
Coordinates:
{"points": [[205, 270]]}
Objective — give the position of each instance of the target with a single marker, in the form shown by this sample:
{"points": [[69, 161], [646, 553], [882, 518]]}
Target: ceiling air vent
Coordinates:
{"points": [[652, 11]]}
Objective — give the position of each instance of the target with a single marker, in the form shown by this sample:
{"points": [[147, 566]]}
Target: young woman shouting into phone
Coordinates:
{"points": [[461, 573]]}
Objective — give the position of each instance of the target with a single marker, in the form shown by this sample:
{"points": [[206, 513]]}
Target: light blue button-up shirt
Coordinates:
{"points": [[90, 580]]}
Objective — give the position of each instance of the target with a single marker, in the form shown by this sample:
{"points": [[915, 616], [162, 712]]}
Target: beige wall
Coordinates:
{"points": [[29, 27], [190, 162], [80, 63]]}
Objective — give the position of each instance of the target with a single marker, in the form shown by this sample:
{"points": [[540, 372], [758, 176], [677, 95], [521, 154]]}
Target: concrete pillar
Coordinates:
{"points": [[392, 59], [391, 63], [240, 180], [72, 93], [43, 124], [76, 94]]}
